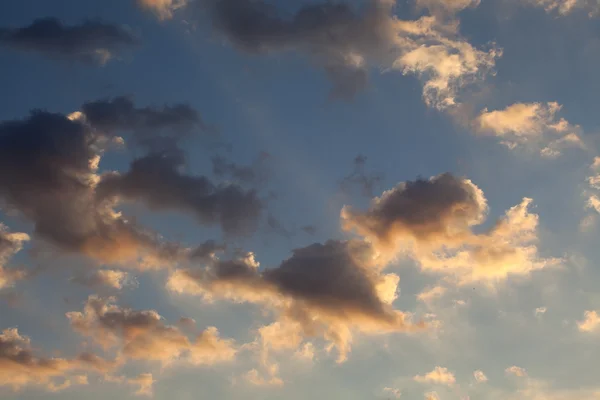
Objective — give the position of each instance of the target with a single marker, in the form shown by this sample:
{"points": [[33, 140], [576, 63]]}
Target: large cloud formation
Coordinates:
{"points": [[329, 289], [432, 221], [20, 367], [143, 335], [91, 41], [48, 165], [49, 173], [346, 42]]}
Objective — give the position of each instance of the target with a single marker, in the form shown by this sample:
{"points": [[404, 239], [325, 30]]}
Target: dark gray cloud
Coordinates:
{"points": [[442, 207], [152, 127], [91, 41], [47, 173], [334, 35], [157, 181]]}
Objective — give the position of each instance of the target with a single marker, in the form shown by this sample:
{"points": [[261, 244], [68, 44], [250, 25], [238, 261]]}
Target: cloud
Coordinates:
{"points": [[49, 163], [91, 41], [157, 181], [20, 367], [530, 124], [145, 383], [143, 335], [564, 7], [447, 5], [10, 244], [152, 127], [431, 294], [329, 289], [163, 9], [590, 323], [516, 371], [438, 210], [108, 277], [480, 376], [432, 222], [345, 42], [439, 375], [432, 396]]}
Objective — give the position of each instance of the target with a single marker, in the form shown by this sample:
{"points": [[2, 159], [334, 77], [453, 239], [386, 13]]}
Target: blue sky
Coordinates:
{"points": [[408, 206]]}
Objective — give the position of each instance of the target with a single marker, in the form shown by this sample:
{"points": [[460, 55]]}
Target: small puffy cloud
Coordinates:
{"points": [[21, 367], [534, 124], [91, 41], [393, 392], [516, 371], [431, 294], [254, 377], [109, 278], [143, 335], [346, 42], [594, 203], [163, 9], [540, 311], [480, 376], [439, 376], [432, 396], [590, 322], [432, 222], [144, 382], [436, 210], [10, 244]]}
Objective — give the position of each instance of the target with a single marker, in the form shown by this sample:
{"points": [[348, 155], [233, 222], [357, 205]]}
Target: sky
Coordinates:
{"points": [[251, 199]]}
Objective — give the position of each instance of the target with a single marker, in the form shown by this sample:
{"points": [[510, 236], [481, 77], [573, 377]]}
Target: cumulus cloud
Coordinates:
{"points": [[329, 289], [516, 371], [21, 367], [439, 376], [432, 221], [345, 42], [432, 396], [108, 277], [144, 382], [590, 322], [530, 124], [163, 9], [480, 376], [152, 127], [10, 243], [157, 181], [143, 335], [91, 41]]}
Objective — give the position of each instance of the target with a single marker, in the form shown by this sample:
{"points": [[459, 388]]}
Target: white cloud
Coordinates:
{"points": [[590, 322], [439, 375], [480, 376]]}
